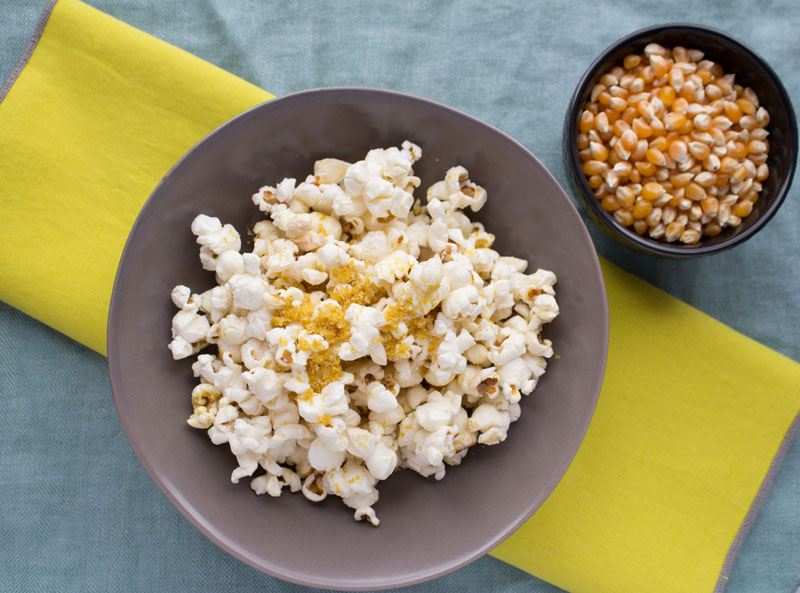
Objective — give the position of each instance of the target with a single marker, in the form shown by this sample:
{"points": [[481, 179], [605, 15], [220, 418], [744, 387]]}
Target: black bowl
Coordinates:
{"points": [[751, 70]]}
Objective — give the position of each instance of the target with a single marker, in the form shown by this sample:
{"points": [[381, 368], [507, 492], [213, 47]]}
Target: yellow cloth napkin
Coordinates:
{"points": [[683, 441]]}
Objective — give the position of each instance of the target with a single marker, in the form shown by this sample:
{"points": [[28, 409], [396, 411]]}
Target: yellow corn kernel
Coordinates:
{"points": [[646, 168], [712, 229], [595, 181], [751, 96], [762, 117], [705, 179], [658, 128], [711, 163], [594, 167], [739, 174], [659, 65], [674, 120], [723, 214], [725, 85], [673, 231], [746, 106], [687, 127], [657, 232], [642, 208], [705, 75], [599, 151], [656, 49], [678, 151], [740, 150], [733, 111], [623, 168], [680, 105], [722, 122], [676, 79], [642, 129], [702, 122], [659, 143], [728, 165], [699, 150], [652, 191], [690, 236], [631, 61], [626, 196], [762, 172], [618, 104], [680, 53], [586, 122], [618, 91], [710, 205], [620, 126], [693, 191], [688, 93], [629, 139], [756, 146], [667, 95], [653, 218], [681, 179], [751, 195], [610, 203], [623, 217], [601, 123], [640, 226], [621, 152], [748, 122], [641, 149], [713, 92], [629, 114], [743, 208], [714, 108]]}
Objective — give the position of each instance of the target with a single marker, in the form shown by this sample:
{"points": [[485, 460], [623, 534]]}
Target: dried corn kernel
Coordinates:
{"points": [[672, 146]]}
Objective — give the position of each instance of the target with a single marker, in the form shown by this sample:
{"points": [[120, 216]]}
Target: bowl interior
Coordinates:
{"points": [[427, 528], [750, 71]]}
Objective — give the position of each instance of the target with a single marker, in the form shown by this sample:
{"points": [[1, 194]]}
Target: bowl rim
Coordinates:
{"points": [[197, 520], [645, 244]]}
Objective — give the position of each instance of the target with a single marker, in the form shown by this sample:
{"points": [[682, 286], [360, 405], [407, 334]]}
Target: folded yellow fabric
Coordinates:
{"points": [[661, 491]]}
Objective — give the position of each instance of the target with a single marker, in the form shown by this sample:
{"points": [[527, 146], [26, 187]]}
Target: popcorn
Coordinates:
{"points": [[362, 333]]}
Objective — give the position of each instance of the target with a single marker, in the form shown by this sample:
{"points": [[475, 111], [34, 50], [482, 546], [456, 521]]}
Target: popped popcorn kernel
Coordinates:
{"points": [[364, 333]]}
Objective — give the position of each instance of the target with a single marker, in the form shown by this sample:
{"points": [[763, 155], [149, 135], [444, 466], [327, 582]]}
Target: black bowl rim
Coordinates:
{"points": [[644, 244]]}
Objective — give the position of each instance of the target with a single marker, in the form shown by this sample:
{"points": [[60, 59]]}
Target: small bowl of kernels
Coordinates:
{"points": [[681, 141]]}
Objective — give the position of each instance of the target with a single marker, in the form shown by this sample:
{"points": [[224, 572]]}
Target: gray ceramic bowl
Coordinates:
{"points": [[427, 528]]}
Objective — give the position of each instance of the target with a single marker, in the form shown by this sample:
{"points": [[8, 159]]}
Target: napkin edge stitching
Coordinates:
{"points": [[755, 507], [29, 49]]}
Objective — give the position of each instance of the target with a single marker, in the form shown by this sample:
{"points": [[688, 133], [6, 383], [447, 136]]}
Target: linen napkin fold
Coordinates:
{"points": [[693, 417]]}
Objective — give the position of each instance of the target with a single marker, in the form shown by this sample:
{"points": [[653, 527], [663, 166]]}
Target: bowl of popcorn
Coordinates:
{"points": [[681, 141], [356, 337]]}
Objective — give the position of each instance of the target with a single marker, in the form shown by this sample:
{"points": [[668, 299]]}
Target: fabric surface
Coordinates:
{"points": [[83, 65], [12, 342]]}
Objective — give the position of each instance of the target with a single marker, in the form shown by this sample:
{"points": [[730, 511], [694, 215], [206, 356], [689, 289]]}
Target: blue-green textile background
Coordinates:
{"points": [[78, 512]]}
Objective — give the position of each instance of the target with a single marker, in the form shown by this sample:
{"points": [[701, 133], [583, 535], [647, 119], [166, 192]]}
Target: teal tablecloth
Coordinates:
{"points": [[78, 512]]}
